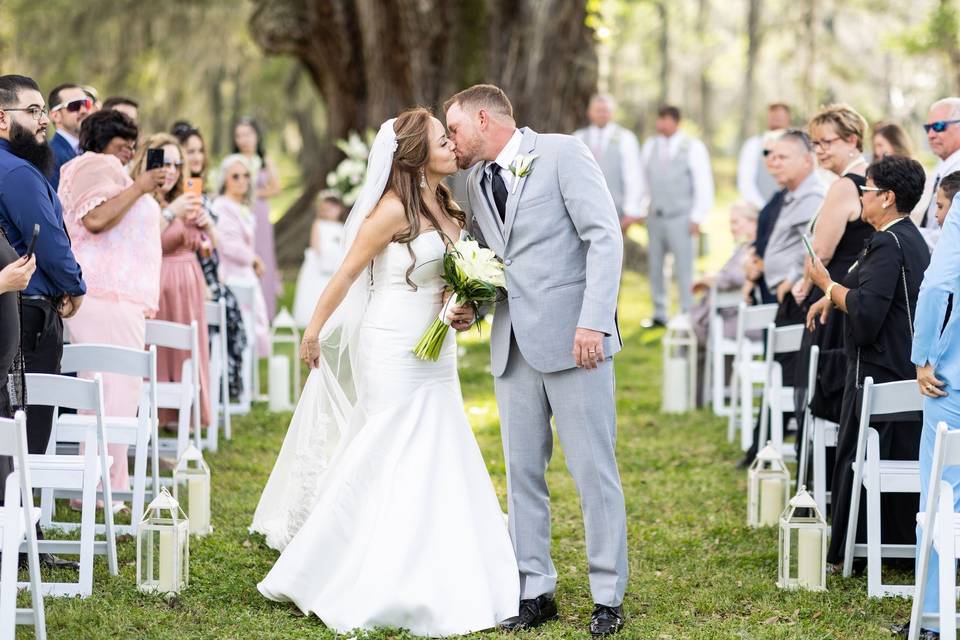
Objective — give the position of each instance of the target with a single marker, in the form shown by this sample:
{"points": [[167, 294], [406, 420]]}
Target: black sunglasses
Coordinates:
{"points": [[939, 126], [237, 176]]}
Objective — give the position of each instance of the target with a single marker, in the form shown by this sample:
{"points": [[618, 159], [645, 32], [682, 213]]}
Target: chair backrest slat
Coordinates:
{"points": [[105, 358], [8, 437], [893, 397], [752, 318], [172, 335], [47, 390], [213, 313], [787, 339]]}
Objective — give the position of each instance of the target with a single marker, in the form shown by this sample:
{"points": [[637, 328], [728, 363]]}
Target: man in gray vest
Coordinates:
{"points": [[680, 182], [617, 151], [754, 181]]}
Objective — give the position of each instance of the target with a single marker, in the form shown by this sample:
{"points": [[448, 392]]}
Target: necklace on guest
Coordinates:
{"points": [[853, 164]]}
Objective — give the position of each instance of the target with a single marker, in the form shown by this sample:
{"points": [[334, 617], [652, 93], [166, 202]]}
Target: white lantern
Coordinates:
{"points": [[803, 545], [283, 331], [679, 366], [768, 488], [163, 547], [191, 487]]}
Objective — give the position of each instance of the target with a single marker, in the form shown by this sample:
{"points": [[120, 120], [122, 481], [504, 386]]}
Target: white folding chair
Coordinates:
{"points": [[249, 369], [719, 348], [777, 398], [880, 476], [70, 472], [18, 519], [219, 374], [940, 530], [747, 371], [821, 433], [184, 396], [138, 431]]}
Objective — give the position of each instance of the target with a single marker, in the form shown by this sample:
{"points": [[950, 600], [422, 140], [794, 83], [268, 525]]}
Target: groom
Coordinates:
{"points": [[541, 203]]}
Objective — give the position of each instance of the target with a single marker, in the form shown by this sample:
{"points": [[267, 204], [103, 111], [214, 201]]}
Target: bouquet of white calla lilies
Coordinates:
{"points": [[475, 276]]}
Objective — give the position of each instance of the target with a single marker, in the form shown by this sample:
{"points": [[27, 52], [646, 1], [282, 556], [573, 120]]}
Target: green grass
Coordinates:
{"points": [[696, 570]]}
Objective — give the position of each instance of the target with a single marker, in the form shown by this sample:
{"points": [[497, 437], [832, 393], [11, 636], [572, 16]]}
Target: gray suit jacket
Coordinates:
{"points": [[562, 247]]}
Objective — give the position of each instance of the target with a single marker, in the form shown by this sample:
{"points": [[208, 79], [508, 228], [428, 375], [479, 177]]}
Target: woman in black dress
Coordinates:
{"points": [[878, 296]]}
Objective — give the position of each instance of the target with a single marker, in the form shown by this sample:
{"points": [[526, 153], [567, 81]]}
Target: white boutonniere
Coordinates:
{"points": [[521, 167]]}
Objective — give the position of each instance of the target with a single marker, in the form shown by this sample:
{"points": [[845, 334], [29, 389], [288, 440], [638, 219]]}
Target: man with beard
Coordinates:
{"points": [[70, 104], [27, 199]]}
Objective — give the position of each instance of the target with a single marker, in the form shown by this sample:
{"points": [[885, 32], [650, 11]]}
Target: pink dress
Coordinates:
{"points": [[235, 233], [265, 246], [183, 293], [121, 267]]}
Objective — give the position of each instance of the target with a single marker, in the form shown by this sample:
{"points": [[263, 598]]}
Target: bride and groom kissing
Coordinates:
{"points": [[380, 501]]}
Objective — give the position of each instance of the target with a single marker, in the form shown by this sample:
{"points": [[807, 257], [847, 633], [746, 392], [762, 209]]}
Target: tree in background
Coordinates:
{"points": [[369, 59]]}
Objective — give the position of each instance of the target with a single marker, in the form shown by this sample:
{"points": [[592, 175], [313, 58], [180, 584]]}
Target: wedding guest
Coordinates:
{"points": [[936, 354], [126, 106], [320, 259], [69, 106], [248, 140], [878, 297], [195, 161], [239, 262], [617, 151], [890, 139], [730, 277], [57, 288], [754, 180], [185, 227], [766, 220], [838, 235], [113, 222], [680, 184], [943, 135]]}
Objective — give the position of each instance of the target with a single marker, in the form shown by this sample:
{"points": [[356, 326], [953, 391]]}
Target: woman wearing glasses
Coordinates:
{"points": [[183, 291], [878, 297], [239, 263], [112, 221]]}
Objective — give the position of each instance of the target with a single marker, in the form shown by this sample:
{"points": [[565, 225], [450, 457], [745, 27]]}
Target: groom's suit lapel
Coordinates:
{"points": [[527, 145]]}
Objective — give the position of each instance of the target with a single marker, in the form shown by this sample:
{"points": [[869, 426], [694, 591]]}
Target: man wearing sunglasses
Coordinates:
{"points": [[69, 107], [943, 134]]}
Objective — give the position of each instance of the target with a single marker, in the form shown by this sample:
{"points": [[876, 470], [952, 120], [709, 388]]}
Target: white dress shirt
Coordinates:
{"points": [[747, 171], [698, 159], [634, 185], [506, 157], [931, 230]]}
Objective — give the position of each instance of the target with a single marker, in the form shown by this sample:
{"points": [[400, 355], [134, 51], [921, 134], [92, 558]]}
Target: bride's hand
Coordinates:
{"points": [[310, 352]]}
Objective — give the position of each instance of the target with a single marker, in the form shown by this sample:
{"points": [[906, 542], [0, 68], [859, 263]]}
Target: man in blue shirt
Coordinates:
{"points": [[26, 199]]}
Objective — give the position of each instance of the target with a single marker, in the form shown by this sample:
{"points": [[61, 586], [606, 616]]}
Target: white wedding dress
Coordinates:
{"points": [[382, 506]]}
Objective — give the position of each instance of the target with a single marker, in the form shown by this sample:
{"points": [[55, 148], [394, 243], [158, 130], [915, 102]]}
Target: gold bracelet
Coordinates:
{"points": [[830, 291]]}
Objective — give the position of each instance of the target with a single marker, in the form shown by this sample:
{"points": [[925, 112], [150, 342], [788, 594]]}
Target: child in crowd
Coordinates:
{"points": [[321, 258]]}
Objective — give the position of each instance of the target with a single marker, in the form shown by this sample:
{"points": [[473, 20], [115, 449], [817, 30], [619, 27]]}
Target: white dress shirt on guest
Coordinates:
{"points": [[931, 230], [634, 187], [698, 160]]}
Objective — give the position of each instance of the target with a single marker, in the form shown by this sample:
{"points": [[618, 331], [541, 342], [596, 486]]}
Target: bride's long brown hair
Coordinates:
{"points": [[411, 157]]}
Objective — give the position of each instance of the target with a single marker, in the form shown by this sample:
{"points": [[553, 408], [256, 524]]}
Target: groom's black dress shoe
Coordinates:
{"points": [[606, 620], [533, 613]]}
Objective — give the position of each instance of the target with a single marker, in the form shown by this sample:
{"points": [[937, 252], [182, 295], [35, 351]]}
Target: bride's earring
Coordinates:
{"points": [[423, 179]]}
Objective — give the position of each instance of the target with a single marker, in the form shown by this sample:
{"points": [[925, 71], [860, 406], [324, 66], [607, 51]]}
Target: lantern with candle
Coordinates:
{"points": [[803, 545], [679, 366], [191, 487], [768, 488], [163, 547], [283, 331]]}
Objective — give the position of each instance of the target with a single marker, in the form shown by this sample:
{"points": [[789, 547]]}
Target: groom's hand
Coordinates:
{"points": [[588, 348]]}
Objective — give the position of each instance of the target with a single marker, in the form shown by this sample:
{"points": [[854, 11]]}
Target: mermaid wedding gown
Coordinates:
{"points": [[383, 507]]}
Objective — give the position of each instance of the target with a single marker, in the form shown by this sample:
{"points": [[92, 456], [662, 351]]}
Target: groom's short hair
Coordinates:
{"points": [[482, 96]]}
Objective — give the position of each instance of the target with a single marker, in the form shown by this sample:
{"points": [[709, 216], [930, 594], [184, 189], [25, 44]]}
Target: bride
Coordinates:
{"points": [[380, 500]]}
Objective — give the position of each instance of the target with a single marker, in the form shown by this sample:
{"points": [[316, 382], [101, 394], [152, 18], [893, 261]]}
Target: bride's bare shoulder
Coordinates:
{"points": [[389, 211]]}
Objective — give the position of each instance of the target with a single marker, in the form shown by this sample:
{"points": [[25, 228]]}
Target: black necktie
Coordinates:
{"points": [[499, 191]]}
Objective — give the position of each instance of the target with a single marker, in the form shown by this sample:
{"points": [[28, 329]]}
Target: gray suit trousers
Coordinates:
{"points": [[582, 404], [670, 235]]}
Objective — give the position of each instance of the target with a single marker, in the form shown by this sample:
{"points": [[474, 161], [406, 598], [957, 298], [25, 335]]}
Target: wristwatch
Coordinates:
{"points": [[168, 215], [830, 291]]}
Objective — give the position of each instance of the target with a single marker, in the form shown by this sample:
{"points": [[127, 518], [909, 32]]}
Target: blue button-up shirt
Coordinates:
{"points": [[26, 198]]}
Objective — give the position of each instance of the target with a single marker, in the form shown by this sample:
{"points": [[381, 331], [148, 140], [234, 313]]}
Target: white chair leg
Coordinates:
{"points": [[8, 579], [732, 418], [819, 463], [108, 510], [88, 528], [139, 480], [874, 565], [923, 568], [47, 506], [746, 413]]}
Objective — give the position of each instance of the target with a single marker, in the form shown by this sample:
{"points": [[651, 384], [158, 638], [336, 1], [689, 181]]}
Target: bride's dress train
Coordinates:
{"points": [[383, 508]]}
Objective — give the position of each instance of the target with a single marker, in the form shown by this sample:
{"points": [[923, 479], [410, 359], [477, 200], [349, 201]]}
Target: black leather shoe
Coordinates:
{"points": [[50, 561], [606, 620], [533, 613], [653, 323], [903, 631]]}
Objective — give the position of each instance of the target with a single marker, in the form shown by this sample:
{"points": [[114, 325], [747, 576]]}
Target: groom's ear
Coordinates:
{"points": [[483, 119]]}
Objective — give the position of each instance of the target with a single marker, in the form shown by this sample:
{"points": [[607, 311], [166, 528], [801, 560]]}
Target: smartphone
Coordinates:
{"points": [[33, 240], [154, 159], [808, 246], [194, 186]]}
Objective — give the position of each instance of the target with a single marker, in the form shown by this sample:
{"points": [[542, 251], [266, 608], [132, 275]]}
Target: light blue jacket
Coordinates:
{"points": [[940, 280]]}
